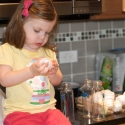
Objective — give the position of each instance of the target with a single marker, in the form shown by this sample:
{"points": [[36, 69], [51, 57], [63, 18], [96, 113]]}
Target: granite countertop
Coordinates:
{"points": [[113, 119]]}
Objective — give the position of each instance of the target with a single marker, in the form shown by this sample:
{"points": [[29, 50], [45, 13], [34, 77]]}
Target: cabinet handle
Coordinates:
{"points": [[123, 5]]}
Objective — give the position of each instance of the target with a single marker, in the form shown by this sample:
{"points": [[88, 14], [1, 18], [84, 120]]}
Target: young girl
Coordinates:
{"points": [[28, 81]]}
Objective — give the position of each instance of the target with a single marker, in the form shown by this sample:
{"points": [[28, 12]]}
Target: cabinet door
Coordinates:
{"points": [[111, 9]]}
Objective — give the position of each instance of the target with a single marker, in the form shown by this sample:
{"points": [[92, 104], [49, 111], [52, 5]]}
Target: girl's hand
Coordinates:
{"points": [[54, 68], [39, 68]]}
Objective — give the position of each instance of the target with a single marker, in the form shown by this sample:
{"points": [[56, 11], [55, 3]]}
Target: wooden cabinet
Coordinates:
{"points": [[111, 9]]}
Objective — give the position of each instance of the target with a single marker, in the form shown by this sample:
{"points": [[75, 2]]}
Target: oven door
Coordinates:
{"points": [[63, 7], [87, 6]]}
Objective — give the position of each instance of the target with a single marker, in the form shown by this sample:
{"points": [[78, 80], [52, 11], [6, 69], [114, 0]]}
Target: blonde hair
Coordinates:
{"points": [[43, 9]]}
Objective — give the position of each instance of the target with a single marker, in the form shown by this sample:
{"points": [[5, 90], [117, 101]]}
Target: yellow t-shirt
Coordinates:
{"points": [[34, 95]]}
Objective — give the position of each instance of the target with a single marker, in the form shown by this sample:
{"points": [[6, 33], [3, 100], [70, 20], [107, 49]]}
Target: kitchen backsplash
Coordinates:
{"points": [[88, 38]]}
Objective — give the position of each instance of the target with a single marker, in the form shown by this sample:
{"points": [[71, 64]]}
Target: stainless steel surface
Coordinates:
{"points": [[66, 9], [114, 119], [63, 8]]}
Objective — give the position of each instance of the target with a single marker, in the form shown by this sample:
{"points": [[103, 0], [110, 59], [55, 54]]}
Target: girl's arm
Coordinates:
{"points": [[55, 75], [8, 77], [56, 78]]}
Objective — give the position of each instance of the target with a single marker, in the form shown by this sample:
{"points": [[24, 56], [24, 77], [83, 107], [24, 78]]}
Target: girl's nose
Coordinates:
{"points": [[42, 35]]}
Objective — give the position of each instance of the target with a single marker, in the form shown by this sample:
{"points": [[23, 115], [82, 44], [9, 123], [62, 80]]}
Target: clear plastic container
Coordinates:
{"points": [[98, 113], [67, 101], [87, 98]]}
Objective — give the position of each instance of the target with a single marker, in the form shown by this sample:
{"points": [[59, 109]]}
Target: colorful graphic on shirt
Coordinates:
{"points": [[41, 93]]}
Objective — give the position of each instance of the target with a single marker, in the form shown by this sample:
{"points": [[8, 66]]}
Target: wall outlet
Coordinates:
{"points": [[68, 56]]}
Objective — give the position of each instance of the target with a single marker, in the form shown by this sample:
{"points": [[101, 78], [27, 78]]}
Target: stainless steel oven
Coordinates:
{"points": [[65, 8]]}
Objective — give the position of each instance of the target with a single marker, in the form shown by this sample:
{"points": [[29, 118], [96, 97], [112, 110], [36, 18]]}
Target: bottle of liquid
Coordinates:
{"points": [[67, 101], [87, 98], [98, 113]]}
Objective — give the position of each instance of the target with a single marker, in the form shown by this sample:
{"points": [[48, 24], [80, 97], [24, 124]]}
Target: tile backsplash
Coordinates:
{"points": [[88, 38]]}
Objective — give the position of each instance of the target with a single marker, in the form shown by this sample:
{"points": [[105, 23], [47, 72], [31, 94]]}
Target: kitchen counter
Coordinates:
{"points": [[113, 119]]}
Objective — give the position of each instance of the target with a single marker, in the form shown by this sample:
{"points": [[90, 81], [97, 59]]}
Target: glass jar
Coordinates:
{"points": [[67, 101], [98, 109], [87, 98]]}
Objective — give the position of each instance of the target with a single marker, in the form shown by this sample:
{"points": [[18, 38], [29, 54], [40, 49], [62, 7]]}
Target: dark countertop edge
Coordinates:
{"points": [[113, 119]]}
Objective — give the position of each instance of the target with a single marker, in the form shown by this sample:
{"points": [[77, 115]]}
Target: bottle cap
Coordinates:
{"points": [[98, 82], [87, 81], [66, 85]]}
